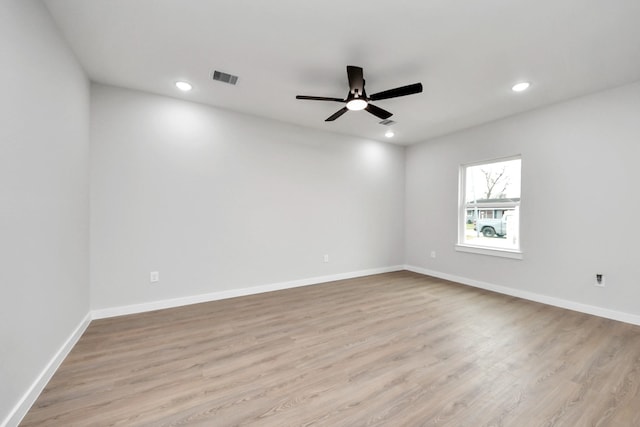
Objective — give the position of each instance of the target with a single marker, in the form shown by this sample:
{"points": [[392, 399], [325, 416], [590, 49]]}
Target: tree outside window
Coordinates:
{"points": [[490, 204]]}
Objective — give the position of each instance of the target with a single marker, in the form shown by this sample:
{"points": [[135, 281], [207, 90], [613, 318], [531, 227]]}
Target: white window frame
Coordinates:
{"points": [[461, 246]]}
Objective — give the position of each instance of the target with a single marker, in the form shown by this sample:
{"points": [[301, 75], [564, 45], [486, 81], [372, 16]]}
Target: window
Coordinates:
{"points": [[489, 219]]}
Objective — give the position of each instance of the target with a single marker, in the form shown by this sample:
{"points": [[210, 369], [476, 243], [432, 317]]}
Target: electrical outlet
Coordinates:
{"points": [[433, 254], [599, 280], [154, 276], [326, 258]]}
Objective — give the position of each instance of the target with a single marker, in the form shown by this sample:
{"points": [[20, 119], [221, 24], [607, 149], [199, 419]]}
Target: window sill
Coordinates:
{"points": [[482, 250]]}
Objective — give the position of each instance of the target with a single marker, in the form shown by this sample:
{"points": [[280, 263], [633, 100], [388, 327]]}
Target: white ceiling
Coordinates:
{"points": [[466, 53]]}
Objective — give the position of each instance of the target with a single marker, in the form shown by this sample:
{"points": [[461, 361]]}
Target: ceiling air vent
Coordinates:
{"points": [[387, 122], [224, 77]]}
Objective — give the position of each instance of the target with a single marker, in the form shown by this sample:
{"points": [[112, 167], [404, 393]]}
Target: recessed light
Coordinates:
{"points": [[184, 86], [519, 87], [389, 134]]}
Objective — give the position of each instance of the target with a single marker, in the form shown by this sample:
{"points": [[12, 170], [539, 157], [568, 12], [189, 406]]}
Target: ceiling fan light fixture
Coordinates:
{"points": [[357, 104]]}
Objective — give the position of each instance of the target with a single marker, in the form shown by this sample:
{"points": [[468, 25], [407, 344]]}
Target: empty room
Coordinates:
{"points": [[333, 213]]}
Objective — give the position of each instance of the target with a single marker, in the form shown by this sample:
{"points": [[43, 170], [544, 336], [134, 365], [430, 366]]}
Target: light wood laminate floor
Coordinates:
{"points": [[396, 349]]}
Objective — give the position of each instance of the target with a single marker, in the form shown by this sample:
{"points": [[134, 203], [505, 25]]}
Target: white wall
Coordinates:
{"points": [[580, 206], [44, 196], [216, 200]]}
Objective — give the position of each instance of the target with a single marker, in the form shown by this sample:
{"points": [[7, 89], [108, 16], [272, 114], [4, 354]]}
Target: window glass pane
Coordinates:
{"points": [[491, 197]]}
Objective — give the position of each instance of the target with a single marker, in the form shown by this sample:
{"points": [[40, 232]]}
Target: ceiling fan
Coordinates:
{"points": [[357, 98]]}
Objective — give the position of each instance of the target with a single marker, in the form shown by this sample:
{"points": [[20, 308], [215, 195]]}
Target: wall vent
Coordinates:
{"points": [[224, 77], [387, 122]]}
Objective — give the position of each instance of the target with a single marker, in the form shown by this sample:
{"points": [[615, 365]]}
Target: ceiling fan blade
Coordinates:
{"points": [[319, 98], [337, 114], [399, 91], [356, 80], [379, 112]]}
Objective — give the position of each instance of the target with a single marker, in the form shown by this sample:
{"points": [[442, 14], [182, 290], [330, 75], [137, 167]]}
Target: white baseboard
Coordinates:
{"points": [[29, 398], [232, 293], [531, 296]]}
